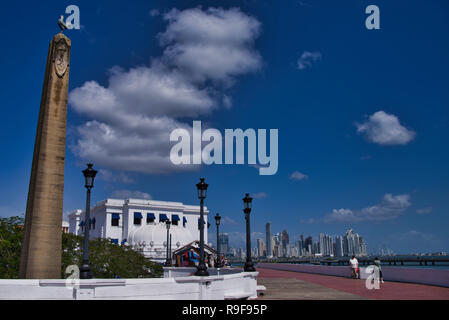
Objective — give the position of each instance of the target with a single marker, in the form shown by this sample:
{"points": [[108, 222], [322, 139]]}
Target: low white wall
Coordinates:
{"points": [[241, 285], [434, 277], [170, 272]]}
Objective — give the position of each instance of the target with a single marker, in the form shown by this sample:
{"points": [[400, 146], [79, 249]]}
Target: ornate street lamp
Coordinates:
{"points": [[89, 176], [202, 191], [217, 222], [168, 260], [249, 266]]}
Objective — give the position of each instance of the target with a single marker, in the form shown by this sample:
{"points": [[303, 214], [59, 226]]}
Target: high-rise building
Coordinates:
{"points": [[300, 247], [363, 249], [223, 238], [261, 248], [323, 244], [284, 243], [316, 248], [308, 244], [255, 252], [353, 244], [326, 247], [339, 246], [269, 240], [276, 245], [241, 253]]}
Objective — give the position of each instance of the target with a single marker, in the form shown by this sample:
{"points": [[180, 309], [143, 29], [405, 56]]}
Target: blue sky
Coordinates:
{"points": [[362, 114]]}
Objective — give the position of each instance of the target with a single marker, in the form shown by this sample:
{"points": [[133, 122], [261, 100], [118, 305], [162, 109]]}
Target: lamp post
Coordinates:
{"points": [[217, 222], [249, 266], [202, 191], [168, 260], [89, 176]]}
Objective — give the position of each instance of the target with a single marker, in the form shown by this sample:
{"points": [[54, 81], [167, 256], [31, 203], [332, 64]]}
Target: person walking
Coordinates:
{"points": [[377, 264], [354, 263]]}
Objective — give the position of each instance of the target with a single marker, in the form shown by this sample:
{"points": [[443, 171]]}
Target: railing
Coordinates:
{"points": [[173, 272]]}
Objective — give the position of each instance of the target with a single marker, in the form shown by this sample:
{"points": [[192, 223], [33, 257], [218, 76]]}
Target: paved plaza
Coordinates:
{"points": [[288, 285]]}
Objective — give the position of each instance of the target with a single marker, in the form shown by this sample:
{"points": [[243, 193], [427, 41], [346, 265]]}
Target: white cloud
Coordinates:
{"points": [[427, 210], [415, 241], [385, 129], [214, 44], [413, 234], [260, 195], [341, 215], [108, 176], [131, 118], [298, 176], [227, 101], [390, 208], [127, 194], [307, 59], [228, 221]]}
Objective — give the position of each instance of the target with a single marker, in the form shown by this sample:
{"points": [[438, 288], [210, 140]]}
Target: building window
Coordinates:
{"points": [[150, 218], [184, 221], [114, 241], [137, 218], [115, 220], [163, 217], [92, 223], [175, 219]]}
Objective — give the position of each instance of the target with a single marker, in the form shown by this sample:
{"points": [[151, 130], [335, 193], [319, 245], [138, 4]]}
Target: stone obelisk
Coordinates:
{"points": [[42, 240]]}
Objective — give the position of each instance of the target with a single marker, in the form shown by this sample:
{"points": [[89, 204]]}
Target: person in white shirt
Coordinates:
{"points": [[354, 263]]}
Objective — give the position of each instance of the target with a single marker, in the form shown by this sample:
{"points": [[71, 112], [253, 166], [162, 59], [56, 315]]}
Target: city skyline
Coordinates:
{"points": [[351, 243], [362, 114]]}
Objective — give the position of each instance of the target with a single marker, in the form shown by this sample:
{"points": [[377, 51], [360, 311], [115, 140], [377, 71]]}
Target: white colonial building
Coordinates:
{"points": [[142, 224]]}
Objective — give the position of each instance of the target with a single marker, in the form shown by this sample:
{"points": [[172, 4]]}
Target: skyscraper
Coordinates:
{"points": [[353, 244], [275, 243], [326, 247], [308, 245], [300, 247], [284, 243], [339, 246], [269, 240], [261, 248], [224, 243]]}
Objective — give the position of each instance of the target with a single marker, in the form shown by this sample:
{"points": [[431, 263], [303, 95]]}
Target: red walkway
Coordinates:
{"points": [[387, 291]]}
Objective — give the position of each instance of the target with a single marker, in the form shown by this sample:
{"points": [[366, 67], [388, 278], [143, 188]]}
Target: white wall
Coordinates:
{"points": [[239, 285]]}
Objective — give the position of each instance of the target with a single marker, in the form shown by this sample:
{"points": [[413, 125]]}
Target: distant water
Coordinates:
{"points": [[418, 266], [406, 265], [439, 266]]}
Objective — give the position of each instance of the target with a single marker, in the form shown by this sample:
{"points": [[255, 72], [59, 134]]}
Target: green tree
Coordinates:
{"points": [[107, 260], [11, 230]]}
